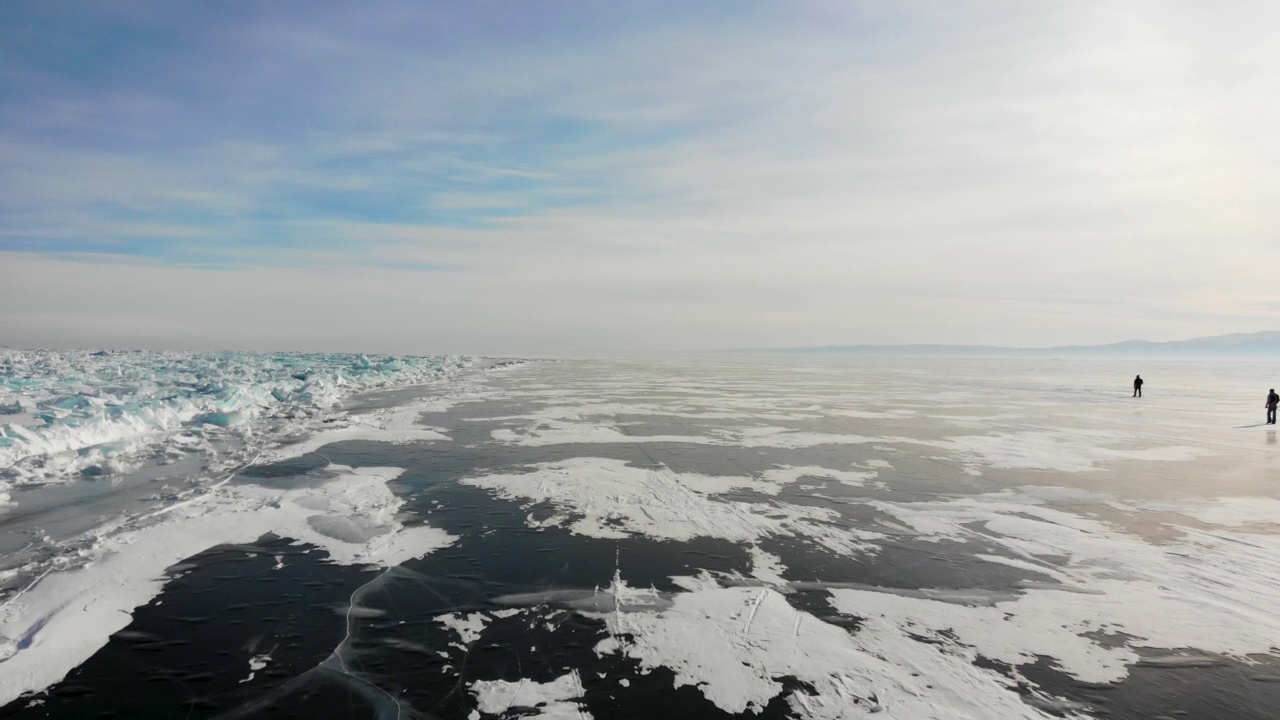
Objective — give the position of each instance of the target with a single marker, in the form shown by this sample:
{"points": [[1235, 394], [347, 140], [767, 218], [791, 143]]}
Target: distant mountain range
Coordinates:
{"points": [[1237, 344]]}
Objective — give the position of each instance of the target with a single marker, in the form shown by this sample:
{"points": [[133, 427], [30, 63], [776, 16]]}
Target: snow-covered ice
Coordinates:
{"points": [[850, 538], [735, 644], [552, 700]]}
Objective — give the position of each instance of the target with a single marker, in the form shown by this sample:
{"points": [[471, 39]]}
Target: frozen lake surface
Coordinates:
{"points": [[783, 538]]}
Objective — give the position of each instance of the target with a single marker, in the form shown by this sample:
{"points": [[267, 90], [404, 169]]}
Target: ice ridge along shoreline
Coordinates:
{"points": [[67, 415], [78, 591]]}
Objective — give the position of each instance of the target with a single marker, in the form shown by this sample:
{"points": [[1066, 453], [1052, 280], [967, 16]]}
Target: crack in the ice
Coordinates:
{"points": [[342, 662], [755, 607]]}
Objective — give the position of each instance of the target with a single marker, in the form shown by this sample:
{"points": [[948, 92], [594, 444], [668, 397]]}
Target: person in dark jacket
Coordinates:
{"points": [[1137, 386], [1272, 400]]}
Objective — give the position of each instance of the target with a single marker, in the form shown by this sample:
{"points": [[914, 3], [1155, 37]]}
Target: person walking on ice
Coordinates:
{"points": [[1137, 386], [1272, 400]]}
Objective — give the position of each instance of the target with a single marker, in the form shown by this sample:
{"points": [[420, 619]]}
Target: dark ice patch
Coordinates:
{"points": [[292, 467], [185, 653]]}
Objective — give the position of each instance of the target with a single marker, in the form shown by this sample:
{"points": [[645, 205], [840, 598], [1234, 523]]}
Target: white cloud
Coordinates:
{"points": [[992, 172]]}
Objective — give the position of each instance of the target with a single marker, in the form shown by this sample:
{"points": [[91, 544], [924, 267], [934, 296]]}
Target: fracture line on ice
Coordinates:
{"points": [[23, 591], [755, 606], [337, 651], [131, 522]]}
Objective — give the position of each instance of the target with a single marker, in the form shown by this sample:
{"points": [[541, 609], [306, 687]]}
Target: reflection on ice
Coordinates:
{"points": [[1181, 660], [593, 601], [1075, 451], [408, 646], [358, 531], [958, 596]]}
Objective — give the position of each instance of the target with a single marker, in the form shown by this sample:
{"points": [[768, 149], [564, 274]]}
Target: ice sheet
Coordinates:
{"points": [[1112, 589], [1214, 591], [66, 616], [1128, 540]]}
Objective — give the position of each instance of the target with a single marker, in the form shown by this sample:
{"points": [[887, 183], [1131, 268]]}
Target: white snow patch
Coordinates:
{"points": [[468, 627], [256, 663], [766, 567], [397, 425], [607, 498], [789, 474], [553, 700], [737, 644]]}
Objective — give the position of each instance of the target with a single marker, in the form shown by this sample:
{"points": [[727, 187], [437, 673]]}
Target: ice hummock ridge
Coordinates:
{"points": [[68, 414]]}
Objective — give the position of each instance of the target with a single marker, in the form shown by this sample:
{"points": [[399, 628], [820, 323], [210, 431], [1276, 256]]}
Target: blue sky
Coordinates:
{"points": [[570, 178], [260, 121]]}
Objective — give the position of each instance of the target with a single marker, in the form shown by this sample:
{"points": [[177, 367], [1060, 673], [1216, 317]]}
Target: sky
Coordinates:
{"points": [[582, 178]]}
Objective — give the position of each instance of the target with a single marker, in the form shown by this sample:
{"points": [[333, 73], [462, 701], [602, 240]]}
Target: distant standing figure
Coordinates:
{"points": [[1137, 386], [1272, 400]]}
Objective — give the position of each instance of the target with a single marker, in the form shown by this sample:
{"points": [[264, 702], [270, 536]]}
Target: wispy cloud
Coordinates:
{"points": [[748, 175]]}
